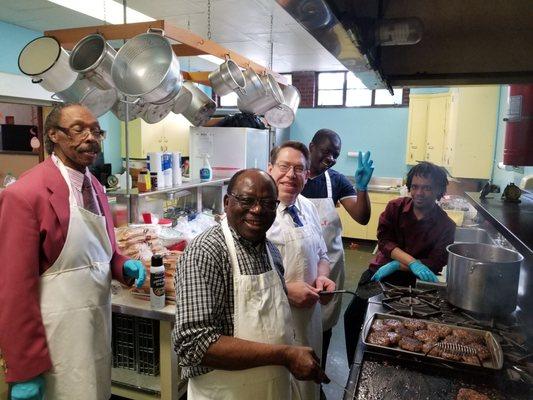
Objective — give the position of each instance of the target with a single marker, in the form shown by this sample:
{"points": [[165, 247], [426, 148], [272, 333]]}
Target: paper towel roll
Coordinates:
{"points": [[155, 161]]}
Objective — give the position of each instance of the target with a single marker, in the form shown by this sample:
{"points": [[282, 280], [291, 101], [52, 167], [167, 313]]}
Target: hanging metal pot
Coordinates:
{"points": [[85, 92], [253, 89], [201, 108], [47, 63], [147, 67], [136, 108], [227, 78], [154, 113], [93, 58], [272, 97], [182, 101], [282, 116]]}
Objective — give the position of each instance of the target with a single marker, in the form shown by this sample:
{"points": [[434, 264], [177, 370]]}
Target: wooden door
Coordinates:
{"points": [[417, 127]]}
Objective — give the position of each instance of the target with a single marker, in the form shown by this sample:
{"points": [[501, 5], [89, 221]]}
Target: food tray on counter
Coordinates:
{"points": [[495, 362]]}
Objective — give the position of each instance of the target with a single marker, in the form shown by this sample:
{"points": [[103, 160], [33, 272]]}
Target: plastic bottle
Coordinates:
{"points": [[9, 179], [206, 172], [157, 282]]}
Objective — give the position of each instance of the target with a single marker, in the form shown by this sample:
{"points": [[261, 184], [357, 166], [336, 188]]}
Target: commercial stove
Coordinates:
{"points": [[381, 376]]}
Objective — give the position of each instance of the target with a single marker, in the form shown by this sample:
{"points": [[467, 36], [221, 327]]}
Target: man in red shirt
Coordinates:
{"points": [[413, 233]]}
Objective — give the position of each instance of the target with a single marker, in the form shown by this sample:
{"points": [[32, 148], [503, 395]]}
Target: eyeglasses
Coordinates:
{"points": [[80, 132], [249, 202], [285, 168]]}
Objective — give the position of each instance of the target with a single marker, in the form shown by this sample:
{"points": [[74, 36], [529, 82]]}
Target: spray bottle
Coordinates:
{"points": [[157, 282], [206, 172]]}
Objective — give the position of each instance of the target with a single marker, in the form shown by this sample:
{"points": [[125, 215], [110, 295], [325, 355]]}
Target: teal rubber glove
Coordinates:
{"points": [[386, 270], [364, 171], [32, 389], [135, 269], [422, 272]]}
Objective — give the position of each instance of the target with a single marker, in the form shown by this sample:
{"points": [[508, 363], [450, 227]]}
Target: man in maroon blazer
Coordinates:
{"points": [[57, 257]]}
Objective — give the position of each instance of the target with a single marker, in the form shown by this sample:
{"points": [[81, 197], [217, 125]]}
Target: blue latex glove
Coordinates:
{"points": [[32, 389], [135, 269], [422, 271], [364, 171], [386, 270]]}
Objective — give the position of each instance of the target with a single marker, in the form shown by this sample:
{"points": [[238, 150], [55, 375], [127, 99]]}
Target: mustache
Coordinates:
{"points": [[92, 147]]}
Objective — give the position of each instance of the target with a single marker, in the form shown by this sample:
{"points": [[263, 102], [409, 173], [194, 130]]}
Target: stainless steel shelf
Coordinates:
{"points": [[193, 183]]}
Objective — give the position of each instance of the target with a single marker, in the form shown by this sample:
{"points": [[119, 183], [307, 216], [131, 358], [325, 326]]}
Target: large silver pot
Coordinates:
{"points": [[227, 78], [272, 97], [135, 108], [201, 107], [147, 67], [93, 58], [85, 92], [483, 278], [282, 116], [253, 89], [47, 63]]}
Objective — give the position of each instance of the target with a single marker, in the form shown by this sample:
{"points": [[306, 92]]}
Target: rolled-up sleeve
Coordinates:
{"points": [[200, 297], [388, 222]]}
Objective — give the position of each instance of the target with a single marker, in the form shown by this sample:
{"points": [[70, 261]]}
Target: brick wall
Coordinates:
{"points": [[305, 82]]}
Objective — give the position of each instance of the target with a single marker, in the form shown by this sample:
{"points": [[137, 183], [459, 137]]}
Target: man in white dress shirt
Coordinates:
{"points": [[297, 234]]}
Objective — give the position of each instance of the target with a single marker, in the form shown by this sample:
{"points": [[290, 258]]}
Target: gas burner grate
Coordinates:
{"points": [[411, 302]]}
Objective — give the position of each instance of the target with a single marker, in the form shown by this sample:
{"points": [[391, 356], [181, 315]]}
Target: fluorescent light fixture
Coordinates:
{"points": [[105, 10], [212, 59]]}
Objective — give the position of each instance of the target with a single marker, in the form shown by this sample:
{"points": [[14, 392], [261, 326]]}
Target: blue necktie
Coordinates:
{"points": [[294, 214]]}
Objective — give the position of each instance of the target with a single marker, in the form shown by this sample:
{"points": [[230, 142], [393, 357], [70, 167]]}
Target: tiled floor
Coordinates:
{"points": [[358, 256], [357, 260]]}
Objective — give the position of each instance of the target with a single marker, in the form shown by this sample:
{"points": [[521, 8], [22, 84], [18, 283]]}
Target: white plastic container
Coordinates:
{"points": [[157, 282]]}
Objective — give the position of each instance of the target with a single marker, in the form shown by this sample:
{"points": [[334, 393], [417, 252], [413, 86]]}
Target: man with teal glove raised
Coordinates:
{"points": [[413, 233], [326, 188], [57, 257]]}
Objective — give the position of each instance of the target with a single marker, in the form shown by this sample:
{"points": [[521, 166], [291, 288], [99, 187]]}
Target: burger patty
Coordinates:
{"points": [[403, 331], [433, 351], [427, 336], [394, 338], [482, 351], [379, 338], [414, 324], [379, 326], [471, 360], [451, 356], [442, 330], [467, 337], [469, 394], [393, 323], [410, 344]]}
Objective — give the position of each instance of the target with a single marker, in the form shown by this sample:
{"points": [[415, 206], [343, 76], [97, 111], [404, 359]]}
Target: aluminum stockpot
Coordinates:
{"points": [[201, 107], [85, 92], [253, 89], [182, 101], [282, 116], [47, 63], [227, 78], [136, 108], [93, 58], [483, 278], [272, 97], [147, 67]]}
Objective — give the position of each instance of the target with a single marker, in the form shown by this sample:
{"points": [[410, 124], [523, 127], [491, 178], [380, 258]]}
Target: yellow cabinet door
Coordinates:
{"points": [[143, 138], [436, 129], [350, 228], [378, 203], [417, 126], [176, 133]]}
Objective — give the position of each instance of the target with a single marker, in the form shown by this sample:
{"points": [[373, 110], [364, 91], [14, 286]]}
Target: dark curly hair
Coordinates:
{"points": [[429, 170]]}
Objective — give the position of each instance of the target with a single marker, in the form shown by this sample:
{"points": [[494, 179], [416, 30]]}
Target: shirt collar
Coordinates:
{"points": [[76, 177], [246, 242], [296, 204]]}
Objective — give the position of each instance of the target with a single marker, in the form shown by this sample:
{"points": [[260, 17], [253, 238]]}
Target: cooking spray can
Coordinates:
{"points": [[157, 282]]}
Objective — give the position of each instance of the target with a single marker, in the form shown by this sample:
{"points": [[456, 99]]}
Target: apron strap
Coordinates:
{"points": [[328, 185]]}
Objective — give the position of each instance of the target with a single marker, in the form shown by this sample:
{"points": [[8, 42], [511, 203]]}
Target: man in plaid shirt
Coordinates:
{"points": [[234, 332]]}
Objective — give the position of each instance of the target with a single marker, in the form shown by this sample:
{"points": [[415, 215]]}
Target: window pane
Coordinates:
{"points": [[384, 97], [330, 97], [330, 80], [229, 100], [288, 77], [358, 97], [353, 82]]}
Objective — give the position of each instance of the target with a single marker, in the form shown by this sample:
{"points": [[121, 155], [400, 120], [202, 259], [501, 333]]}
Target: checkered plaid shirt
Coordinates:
{"points": [[204, 292]]}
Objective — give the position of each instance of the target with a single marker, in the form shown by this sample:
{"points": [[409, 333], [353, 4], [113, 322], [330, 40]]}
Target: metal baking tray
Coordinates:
{"points": [[495, 362]]}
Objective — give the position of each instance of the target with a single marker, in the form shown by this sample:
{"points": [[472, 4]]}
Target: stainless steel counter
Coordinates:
{"points": [[125, 303]]}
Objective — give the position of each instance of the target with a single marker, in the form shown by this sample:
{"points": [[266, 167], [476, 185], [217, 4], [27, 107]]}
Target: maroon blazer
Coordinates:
{"points": [[34, 218]]}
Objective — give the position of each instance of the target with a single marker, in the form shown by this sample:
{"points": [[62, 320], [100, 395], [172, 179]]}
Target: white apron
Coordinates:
{"points": [[300, 260], [332, 232], [261, 314], [75, 302]]}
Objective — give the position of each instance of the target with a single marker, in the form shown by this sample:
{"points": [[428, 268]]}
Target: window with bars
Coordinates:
{"points": [[344, 89]]}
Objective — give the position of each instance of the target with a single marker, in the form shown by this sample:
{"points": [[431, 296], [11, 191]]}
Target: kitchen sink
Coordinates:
{"points": [[472, 235]]}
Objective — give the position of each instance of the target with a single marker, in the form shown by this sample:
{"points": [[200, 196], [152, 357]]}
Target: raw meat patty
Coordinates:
{"points": [[410, 344], [414, 324]]}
